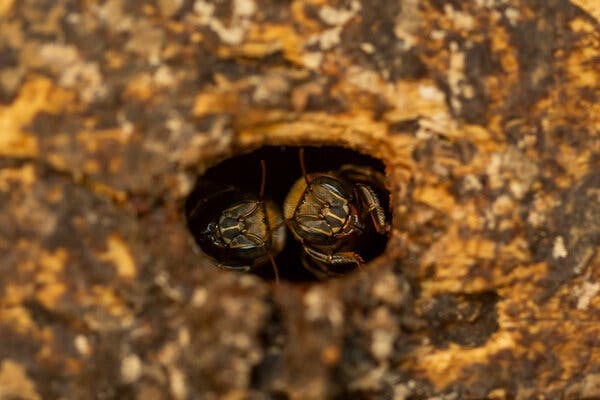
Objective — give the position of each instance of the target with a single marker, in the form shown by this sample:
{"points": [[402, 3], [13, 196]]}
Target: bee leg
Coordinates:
{"points": [[362, 174], [340, 258], [372, 206], [275, 269], [318, 269], [322, 269]]}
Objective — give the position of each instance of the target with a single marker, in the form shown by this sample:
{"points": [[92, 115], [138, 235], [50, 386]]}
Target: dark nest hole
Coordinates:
{"points": [[282, 170]]}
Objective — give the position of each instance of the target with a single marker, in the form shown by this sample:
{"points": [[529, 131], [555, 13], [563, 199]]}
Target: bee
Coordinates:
{"points": [[239, 230], [332, 214]]}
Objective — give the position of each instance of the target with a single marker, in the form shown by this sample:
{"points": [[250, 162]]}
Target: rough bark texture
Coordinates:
{"points": [[486, 113]]}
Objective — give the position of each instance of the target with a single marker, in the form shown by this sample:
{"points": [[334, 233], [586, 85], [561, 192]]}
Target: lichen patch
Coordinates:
{"points": [[15, 382], [119, 254], [36, 95]]}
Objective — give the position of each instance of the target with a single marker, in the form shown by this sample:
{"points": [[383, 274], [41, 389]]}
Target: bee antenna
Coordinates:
{"points": [[263, 179], [275, 270], [279, 225], [303, 166]]}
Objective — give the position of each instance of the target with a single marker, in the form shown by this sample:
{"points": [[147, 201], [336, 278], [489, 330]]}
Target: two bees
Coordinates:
{"points": [[329, 213]]}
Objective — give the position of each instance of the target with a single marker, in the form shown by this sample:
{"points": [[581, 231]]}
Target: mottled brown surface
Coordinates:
{"points": [[486, 113]]}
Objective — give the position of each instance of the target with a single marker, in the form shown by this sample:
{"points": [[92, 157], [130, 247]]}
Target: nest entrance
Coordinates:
{"points": [[282, 170]]}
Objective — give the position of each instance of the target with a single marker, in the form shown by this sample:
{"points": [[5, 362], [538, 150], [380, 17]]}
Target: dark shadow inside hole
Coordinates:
{"points": [[282, 170]]}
